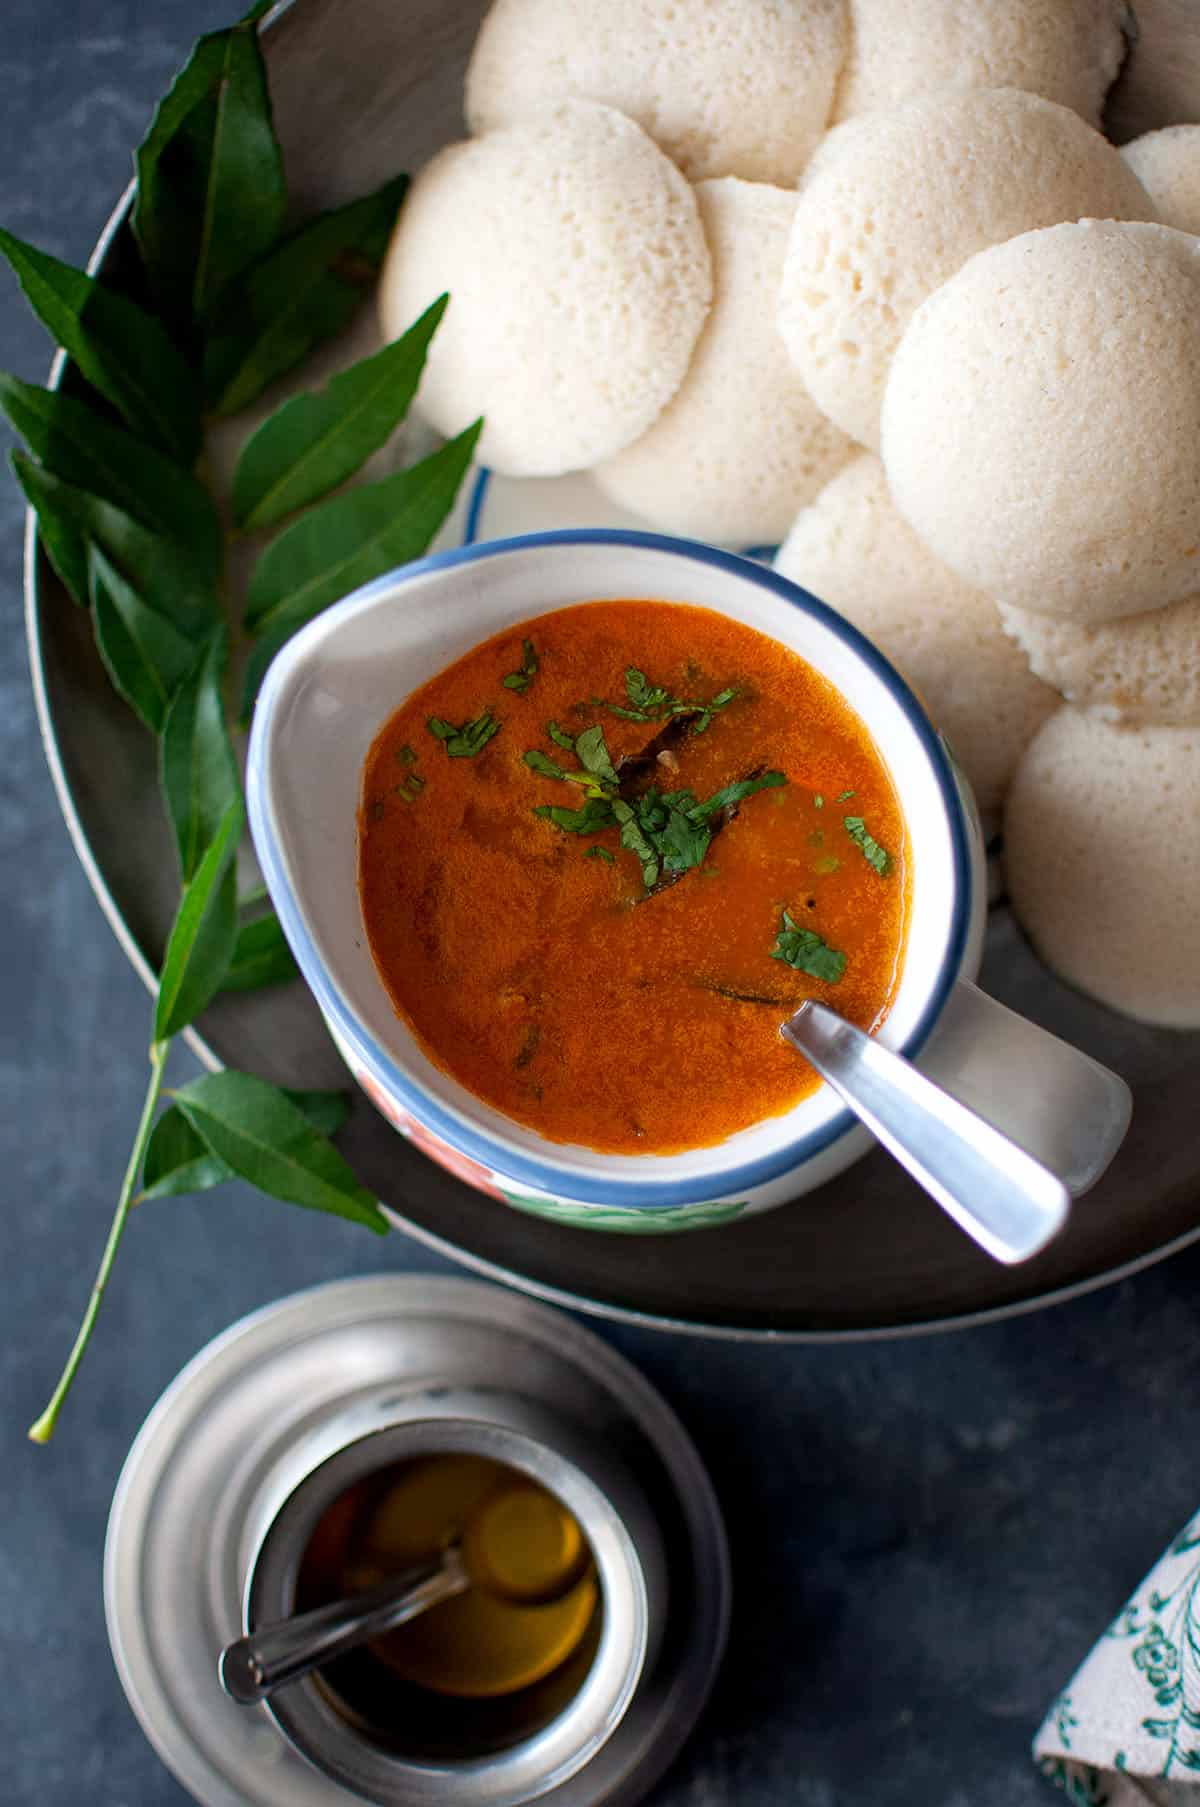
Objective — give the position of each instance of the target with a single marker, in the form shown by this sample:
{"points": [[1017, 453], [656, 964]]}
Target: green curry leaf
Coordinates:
{"points": [[300, 294], [265, 1138], [354, 537], [124, 352], [202, 939], [145, 656], [314, 442], [198, 769]]}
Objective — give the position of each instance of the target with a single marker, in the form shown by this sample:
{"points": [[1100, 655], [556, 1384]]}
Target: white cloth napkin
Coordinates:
{"points": [[1126, 1729]]}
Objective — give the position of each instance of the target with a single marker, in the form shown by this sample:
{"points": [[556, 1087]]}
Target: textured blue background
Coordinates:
{"points": [[927, 1535]]}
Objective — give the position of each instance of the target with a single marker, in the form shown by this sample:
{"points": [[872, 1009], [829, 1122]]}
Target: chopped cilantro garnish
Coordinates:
{"points": [[591, 750], [652, 702], [805, 950], [596, 852], [818, 800], [845, 797], [873, 853], [522, 679], [464, 742], [405, 755], [560, 737]]}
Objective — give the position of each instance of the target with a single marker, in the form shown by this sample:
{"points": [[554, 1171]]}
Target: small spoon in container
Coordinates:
{"points": [[492, 1554], [1008, 1202]]}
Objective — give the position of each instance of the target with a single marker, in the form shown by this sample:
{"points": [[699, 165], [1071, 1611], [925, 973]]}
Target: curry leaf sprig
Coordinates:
{"points": [[235, 303]]}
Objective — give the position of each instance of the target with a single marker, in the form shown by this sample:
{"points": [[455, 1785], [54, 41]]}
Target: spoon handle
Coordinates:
{"points": [[993, 1190], [254, 1666]]}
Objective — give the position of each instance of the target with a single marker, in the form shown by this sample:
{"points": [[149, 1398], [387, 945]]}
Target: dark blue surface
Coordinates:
{"points": [[927, 1535]]}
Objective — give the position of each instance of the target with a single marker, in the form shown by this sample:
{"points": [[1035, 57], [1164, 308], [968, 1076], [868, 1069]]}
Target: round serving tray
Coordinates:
{"points": [[868, 1255]]}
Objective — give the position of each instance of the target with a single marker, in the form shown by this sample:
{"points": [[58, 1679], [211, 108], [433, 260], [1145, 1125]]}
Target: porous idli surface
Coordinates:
{"points": [[1041, 420], [1167, 164], [1102, 852], [894, 203], [579, 280], [726, 87], [1066, 50], [742, 444], [855, 551], [1139, 669]]}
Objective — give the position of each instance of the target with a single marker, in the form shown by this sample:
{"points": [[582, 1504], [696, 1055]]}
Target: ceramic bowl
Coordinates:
{"points": [[331, 689]]}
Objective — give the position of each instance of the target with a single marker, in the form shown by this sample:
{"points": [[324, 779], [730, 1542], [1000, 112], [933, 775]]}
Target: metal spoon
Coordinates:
{"points": [[254, 1666], [993, 1190]]}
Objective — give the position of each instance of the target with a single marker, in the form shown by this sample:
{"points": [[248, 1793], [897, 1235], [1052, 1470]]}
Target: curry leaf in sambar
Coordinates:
{"points": [[352, 538], [202, 939], [124, 352], [300, 294], [314, 442], [265, 1138]]}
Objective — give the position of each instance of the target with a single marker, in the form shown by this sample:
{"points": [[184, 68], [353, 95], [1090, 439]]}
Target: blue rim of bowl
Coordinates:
{"points": [[499, 1157]]}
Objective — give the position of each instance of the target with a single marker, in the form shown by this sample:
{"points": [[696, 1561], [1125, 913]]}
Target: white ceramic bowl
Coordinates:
{"points": [[336, 683]]}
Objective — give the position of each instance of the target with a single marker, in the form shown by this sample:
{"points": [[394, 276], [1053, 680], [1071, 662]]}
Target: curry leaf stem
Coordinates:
{"points": [[43, 1429]]}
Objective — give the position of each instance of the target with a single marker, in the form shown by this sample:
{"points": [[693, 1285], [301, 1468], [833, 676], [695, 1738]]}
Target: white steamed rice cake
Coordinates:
{"points": [[579, 280]]}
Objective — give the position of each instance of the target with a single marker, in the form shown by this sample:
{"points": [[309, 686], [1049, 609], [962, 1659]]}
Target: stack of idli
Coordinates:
{"points": [[1041, 433], [895, 203], [1167, 164], [579, 280], [742, 441], [707, 251], [1067, 50], [855, 550]]}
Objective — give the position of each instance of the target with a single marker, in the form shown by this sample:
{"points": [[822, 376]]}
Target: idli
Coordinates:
{"points": [[742, 444], [1139, 669], [725, 87], [1102, 851], [579, 280], [1167, 164], [894, 203], [1041, 420], [857, 553], [1067, 50]]}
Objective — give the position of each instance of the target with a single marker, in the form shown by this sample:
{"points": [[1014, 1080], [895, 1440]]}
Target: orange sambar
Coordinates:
{"points": [[531, 961]]}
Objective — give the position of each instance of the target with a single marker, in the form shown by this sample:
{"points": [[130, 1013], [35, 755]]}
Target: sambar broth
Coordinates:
{"points": [[597, 996]]}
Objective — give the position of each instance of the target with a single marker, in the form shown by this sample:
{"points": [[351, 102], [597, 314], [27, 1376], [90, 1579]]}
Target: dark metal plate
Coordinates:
{"points": [[867, 1255]]}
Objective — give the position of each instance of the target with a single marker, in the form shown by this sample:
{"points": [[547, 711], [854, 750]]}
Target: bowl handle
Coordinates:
{"points": [[1055, 1102]]}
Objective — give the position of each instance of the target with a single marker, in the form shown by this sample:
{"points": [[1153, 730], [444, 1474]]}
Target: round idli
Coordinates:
{"points": [[1139, 669], [1102, 852], [1167, 164], [1067, 50], [742, 444], [1041, 420], [579, 280], [895, 203], [857, 553], [742, 88]]}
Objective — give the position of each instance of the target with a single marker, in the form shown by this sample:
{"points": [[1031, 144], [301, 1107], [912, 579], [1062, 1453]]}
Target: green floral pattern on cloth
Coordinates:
{"points": [[624, 1222], [1127, 1730]]}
